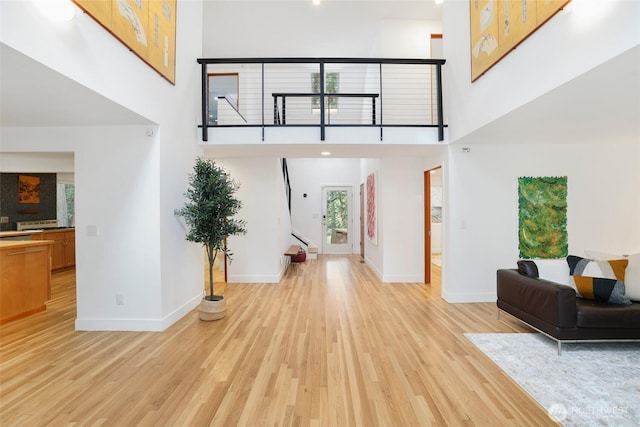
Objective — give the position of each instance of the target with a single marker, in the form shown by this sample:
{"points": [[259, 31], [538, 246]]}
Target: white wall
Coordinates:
{"points": [[36, 162], [401, 196], [308, 176], [336, 29], [408, 38], [139, 249], [577, 39], [398, 255], [122, 256], [603, 206], [480, 206], [257, 256]]}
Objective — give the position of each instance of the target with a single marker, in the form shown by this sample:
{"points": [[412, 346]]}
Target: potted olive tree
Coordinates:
{"points": [[209, 213]]}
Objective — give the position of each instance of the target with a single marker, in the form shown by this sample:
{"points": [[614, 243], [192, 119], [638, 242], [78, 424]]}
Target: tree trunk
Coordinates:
{"points": [[211, 254]]}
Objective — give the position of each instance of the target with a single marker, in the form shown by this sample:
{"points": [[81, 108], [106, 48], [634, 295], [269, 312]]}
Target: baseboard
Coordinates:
{"points": [[132, 325], [459, 297], [253, 279], [401, 279], [138, 325], [373, 267], [181, 311]]}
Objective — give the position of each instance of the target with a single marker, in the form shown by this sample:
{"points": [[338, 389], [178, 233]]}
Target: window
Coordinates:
{"points": [[223, 87], [331, 85], [65, 205]]}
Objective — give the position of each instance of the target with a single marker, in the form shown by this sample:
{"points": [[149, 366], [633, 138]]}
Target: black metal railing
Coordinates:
{"points": [[324, 92], [280, 108], [287, 183]]}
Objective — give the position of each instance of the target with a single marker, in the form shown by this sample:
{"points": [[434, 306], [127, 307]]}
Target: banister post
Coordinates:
{"points": [[205, 119], [440, 109], [322, 122]]}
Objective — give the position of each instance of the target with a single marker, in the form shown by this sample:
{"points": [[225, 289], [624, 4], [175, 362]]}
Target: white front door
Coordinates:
{"points": [[336, 220]]}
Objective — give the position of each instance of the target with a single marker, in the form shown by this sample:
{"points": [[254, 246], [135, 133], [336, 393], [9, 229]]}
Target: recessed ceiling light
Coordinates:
{"points": [[326, 153], [315, 2]]}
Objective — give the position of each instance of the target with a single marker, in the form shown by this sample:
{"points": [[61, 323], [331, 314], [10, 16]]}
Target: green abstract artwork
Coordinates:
{"points": [[542, 217]]}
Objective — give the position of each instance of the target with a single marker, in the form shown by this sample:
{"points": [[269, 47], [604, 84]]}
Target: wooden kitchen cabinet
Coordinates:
{"points": [[70, 248], [25, 285], [57, 250], [63, 251]]}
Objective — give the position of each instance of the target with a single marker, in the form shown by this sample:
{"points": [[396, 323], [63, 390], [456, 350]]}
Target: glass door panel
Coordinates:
{"points": [[336, 220]]}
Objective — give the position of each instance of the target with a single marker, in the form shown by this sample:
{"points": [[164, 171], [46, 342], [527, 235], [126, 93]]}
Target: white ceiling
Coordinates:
{"points": [[32, 94], [601, 105]]}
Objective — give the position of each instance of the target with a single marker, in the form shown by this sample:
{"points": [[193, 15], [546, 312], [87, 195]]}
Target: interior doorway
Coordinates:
{"points": [[337, 235], [222, 88], [432, 222], [362, 222]]}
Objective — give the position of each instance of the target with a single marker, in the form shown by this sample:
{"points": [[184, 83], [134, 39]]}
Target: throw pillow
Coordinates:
{"points": [[632, 278], [632, 273], [527, 268], [599, 280]]}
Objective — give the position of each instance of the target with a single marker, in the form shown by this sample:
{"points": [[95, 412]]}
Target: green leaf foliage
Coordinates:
{"points": [[210, 208], [542, 208]]}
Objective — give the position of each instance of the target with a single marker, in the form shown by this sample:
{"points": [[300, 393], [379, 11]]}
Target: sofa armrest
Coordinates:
{"points": [[547, 301]]}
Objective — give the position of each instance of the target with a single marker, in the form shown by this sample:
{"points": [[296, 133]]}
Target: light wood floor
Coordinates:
{"points": [[329, 346]]}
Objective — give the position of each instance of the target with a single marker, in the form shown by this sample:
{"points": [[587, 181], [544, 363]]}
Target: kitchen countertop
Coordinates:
{"points": [[8, 244], [13, 233]]}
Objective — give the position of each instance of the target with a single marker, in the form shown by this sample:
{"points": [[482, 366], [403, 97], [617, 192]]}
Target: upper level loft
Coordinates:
{"points": [[311, 100]]}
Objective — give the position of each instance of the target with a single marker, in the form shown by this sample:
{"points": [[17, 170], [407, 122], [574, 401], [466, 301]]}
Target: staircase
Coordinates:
{"points": [[312, 251]]}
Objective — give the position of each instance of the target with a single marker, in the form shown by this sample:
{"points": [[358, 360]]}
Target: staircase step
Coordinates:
{"points": [[313, 252]]}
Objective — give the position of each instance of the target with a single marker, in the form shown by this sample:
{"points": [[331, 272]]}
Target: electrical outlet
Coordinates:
{"points": [[119, 299], [4, 220]]}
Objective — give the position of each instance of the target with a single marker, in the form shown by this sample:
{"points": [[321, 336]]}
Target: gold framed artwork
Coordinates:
{"points": [[147, 27], [28, 189], [498, 26]]}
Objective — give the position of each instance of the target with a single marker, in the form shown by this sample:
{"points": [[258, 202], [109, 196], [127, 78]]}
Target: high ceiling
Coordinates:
{"points": [[601, 105], [32, 94], [596, 105]]}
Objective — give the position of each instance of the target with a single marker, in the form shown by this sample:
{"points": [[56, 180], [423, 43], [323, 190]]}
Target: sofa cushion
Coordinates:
{"points": [[594, 314], [631, 275], [632, 278], [599, 280], [528, 268]]}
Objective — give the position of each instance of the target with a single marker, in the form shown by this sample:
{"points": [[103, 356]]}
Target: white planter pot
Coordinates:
{"points": [[212, 310]]}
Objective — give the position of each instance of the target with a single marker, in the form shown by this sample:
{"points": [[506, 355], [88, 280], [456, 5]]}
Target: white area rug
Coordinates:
{"points": [[590, 384]]}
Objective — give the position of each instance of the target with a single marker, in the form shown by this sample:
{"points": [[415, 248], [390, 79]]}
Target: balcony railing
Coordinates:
{"points": [[321, 92]]}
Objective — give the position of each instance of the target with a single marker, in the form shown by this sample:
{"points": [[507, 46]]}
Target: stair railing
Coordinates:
{"points": [[373, 92]]}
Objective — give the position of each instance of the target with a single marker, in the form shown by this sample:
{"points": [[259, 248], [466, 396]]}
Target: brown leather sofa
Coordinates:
{"points": [[557, 312]]}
